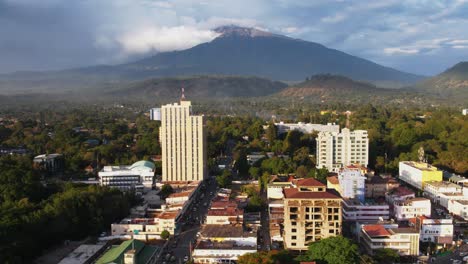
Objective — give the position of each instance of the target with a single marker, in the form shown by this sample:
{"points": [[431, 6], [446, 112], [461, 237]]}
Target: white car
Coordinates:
{"points": [[186, 258]]}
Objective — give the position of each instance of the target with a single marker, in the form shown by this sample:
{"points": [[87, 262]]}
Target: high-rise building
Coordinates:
{"points": [[311, 213], [336, 150], [182, 140]]}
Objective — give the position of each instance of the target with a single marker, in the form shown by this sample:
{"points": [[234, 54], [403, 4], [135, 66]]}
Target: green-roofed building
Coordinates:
{"points": [[129, 252]]}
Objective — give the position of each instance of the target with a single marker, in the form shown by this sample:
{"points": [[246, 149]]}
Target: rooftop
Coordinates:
{"points": [[309, 182], [116, 253], [225, 212], [444, 184], [215, 231], [180, 194], [207, 244], [420, 165], [81, 254], [401, 191], [168, 215], [294, 193], [376, 230]]}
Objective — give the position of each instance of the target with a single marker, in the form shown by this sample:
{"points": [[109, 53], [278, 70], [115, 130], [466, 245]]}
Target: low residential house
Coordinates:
{"points": [[403, 240], [459, 208], [377, 186]]}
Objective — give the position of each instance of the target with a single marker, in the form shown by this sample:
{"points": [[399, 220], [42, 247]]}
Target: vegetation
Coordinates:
{"points": [[386, 256], [34, 217], [267, 257], [166, 190], [165, 234], [333, 250]]}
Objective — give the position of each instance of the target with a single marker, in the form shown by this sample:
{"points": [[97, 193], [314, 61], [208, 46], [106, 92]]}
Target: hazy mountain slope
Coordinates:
{"points": [[200, 87], [452, 83]]}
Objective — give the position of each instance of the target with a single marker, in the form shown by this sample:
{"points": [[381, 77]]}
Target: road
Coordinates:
{"points": [[455, 255], [179, 245], [264, 233]]}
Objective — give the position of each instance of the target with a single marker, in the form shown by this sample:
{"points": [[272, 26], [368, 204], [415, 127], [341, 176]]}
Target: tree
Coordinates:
{"points": [[267, 257], [386, 256], [166, 190], [254, 172], [225, 179], [333, 250], [165, 234], [271, 132]]}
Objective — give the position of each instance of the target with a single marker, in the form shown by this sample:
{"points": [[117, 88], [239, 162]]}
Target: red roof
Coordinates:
{"points": [[309, 182], [294, 193], [376, 230]]}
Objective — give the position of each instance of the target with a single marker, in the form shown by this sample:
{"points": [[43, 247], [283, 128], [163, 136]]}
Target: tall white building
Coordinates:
{"points": [[155, 114], [352, 183], [182, 140], [336, 150]]}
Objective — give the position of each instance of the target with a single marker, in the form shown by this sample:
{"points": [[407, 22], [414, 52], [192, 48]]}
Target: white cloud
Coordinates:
{"points": [[392, 51], [460, 47], [334, 18], [162, 39]]}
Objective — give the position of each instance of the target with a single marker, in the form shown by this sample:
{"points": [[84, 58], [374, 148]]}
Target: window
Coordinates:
{"points": [[294, 230], [293, 244], [293, 237]]}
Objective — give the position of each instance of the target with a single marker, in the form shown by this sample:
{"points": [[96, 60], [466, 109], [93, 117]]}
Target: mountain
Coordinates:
{"points": [[236, 51], [199, 87], [452, 83], [248, 51], [336, 88]]}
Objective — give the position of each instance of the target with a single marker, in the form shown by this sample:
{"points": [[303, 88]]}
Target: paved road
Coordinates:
{"points": [[264, 232], [179, 246]]}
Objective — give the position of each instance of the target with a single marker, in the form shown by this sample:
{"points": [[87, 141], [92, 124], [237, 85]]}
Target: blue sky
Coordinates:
{"points": [[423, 37]]}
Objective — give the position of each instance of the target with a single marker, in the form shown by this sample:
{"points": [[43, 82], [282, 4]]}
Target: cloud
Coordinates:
{"points": [[392, 51], [162, 39]]}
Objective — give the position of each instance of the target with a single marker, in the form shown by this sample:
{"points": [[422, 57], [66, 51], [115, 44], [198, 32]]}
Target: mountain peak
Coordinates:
{"points": [[233, 30], [459, 68]]}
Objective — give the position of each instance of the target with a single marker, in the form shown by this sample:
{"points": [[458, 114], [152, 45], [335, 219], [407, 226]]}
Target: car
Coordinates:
{"points": [[186, 258], [462, 254]]}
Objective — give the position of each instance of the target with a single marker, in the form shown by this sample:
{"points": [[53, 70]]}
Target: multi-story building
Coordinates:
{"points": [[412, 208], [352, 183], [417, 174], [306, 128], [50, 163], [146, 228], [439, 231], [137, 176], [311, 213], [459, 208], [441, 192], [404, 240], [182, 140], [336, 150], [355, 210]]}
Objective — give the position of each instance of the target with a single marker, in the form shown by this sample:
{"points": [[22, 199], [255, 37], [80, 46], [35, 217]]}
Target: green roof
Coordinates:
{"points": [[116, 253], [143, 163]]}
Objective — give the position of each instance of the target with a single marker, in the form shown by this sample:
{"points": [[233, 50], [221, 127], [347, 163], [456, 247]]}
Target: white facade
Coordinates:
{"points": [[459, 208], [418, 173], [220, 255], [412, 208], [354, 210], [464, 111], [404, 240], [182, 140], [443, 192], [336, 150], [306, 128], [352, 183], [137, 176], [155, 114], [435, 230]]}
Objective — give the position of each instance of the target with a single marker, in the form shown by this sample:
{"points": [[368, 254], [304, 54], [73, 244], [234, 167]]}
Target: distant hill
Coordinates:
{"points": [[236, 51], [199, 87], [335, 88], [452, 83]]}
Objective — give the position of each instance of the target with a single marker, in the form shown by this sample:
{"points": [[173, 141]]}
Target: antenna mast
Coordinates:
{"points": [[182, 97]]}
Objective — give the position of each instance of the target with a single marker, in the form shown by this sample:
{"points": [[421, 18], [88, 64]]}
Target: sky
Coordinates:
{"points": [[417, 36]]}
